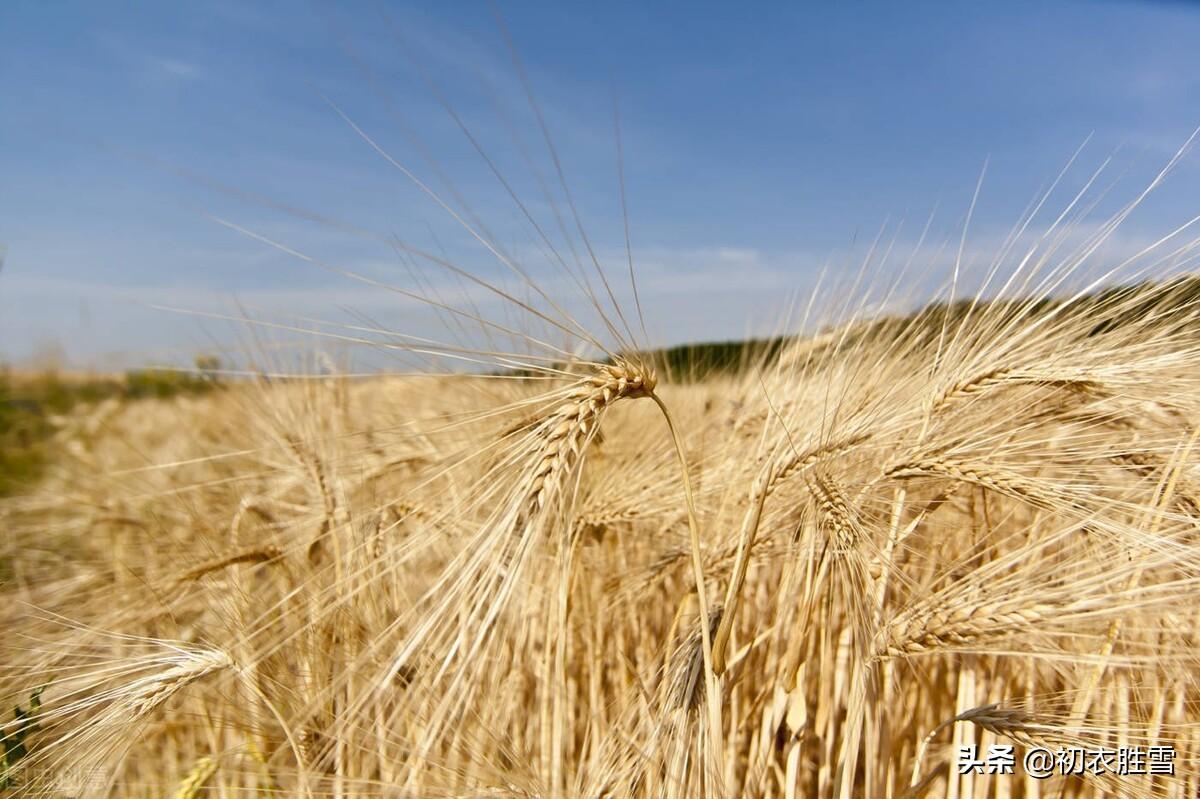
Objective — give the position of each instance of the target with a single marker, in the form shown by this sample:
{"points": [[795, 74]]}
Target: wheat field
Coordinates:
{"points": [[818, 574], [548, 561]]}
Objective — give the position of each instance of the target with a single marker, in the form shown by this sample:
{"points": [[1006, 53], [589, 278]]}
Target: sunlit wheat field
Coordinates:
{"points": [[941, 526]]}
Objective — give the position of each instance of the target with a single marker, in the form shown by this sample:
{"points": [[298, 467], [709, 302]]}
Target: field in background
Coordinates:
{"points": [[34, 402], [34, 405]]}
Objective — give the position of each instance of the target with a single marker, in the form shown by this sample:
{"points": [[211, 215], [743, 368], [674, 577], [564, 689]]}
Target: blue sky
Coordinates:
{"points": [[761, 142]]}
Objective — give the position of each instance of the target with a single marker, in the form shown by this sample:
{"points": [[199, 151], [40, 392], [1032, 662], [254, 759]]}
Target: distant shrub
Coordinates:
{"points": [[693, 362], [163, 383], [27, 406]]}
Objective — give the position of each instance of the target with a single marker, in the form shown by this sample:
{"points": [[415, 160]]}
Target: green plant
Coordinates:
{"points": [[14, 739]]}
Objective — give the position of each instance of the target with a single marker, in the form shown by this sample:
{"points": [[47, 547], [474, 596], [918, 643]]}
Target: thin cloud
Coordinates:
{"points": [[177, 69]]}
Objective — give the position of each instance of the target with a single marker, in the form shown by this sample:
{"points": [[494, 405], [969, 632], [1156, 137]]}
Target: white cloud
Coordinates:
{"points": [[176, 68]]}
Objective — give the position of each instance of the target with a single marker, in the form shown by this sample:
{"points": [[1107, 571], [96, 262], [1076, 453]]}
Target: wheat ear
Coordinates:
{"points": [[565, 431], [776, 470], [191, 785]]}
